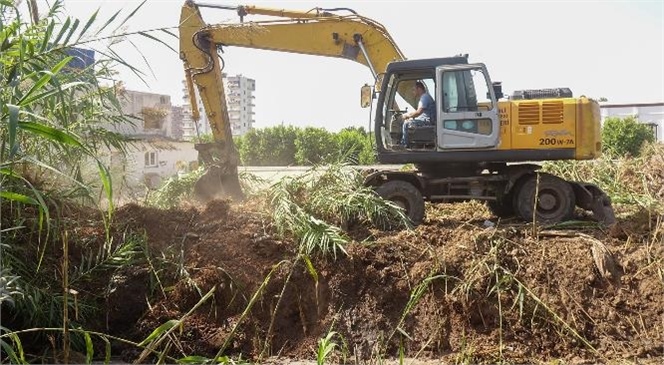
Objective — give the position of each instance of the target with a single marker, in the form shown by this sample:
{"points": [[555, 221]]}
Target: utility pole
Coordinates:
{"points": [[34, 11]]}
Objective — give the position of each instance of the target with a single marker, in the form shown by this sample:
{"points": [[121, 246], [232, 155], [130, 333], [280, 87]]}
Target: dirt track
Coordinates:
{"points": [[488, 292]]}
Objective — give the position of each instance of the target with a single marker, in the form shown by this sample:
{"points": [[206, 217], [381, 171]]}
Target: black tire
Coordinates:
{"points": [[407, 196], [503, 208], [555, 201]]}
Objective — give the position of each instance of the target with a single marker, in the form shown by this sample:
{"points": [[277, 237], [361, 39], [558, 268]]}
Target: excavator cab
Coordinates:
{"points": [[466, 105]]}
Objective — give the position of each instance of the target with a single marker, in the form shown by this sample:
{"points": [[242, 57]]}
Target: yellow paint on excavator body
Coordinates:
{"points": [[542, 124]]}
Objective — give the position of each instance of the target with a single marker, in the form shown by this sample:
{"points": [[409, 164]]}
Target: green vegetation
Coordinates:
{"points": [[54, 119], [52, 114], [175, 190], [312, 208], [273, 146], [314, 145], [289, 145], [623, 136], [63, 255], [307, 146], [628, 180], [326, 347], [52, 125], [178, 189]]}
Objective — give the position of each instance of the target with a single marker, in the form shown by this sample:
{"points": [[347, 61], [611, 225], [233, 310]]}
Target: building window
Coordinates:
{"points": [[151, 159]]}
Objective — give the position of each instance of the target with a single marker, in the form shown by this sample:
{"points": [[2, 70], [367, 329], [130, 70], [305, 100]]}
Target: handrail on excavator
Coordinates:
{"points": [[244, 10]]}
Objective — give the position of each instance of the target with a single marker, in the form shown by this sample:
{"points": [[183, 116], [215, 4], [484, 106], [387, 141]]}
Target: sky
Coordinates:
{"points": [[605, 49]]}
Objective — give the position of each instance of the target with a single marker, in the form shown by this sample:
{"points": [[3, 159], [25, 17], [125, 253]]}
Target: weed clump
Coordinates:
{"points": [[636, 181]]}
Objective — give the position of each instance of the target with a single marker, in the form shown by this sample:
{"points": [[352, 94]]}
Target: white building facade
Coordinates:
{"points": [[149, 162], [648, 113], [240, 100], [151, 114], [156, 151], [240, 97]]}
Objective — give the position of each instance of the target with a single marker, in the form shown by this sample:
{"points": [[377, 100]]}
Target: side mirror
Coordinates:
{"points": [[365, 96]]}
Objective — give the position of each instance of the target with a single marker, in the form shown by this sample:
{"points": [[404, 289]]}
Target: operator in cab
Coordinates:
{"points": [[424, 115]]}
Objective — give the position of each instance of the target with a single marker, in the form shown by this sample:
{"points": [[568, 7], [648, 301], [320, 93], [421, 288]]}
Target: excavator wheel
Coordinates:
{"points": [[406, 196], [555, 199], [502, 208]]}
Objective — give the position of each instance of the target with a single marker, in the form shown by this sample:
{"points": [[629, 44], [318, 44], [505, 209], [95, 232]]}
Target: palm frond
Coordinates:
{"points": [[106, 258], [313, 206]]}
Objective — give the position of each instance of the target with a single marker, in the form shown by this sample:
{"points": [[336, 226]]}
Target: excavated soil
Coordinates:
{"points": [[462, 287]]}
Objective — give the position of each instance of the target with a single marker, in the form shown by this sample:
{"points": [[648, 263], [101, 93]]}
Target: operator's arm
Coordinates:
{"points": [[419, 111]]}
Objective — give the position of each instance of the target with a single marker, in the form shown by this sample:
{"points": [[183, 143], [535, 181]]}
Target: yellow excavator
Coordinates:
{"points": [[478, 145]]}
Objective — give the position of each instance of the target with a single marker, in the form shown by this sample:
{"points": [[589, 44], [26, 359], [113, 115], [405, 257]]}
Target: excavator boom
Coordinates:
{"points": [[351, 37]]}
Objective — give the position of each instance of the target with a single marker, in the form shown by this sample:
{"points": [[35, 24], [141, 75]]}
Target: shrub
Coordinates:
{"points": [[289, 145], [314, 146], [354, 146], [272, 146], [622, 136]]}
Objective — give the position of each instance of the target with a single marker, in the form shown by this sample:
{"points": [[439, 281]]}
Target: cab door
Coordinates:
{"points": [[467, 108]]}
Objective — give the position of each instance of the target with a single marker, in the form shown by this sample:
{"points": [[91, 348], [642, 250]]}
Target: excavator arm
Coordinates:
{"points": [[203, 70], [317, 32], [351, 37]]}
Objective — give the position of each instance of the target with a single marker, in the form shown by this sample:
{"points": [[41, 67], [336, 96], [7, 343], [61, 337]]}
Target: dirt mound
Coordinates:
{"points": [[457, 287]]}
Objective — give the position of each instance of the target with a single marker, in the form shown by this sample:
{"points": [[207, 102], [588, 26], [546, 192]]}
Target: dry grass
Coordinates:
{"points": [[635, 181]]}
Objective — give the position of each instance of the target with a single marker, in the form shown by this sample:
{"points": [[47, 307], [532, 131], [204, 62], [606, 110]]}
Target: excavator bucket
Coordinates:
{"points": [[221, 178]]}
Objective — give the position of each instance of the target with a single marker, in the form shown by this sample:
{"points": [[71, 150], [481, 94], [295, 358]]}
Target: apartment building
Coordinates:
{"points": [[151, 114], [189, 128], [240, 101], [156, 151]]}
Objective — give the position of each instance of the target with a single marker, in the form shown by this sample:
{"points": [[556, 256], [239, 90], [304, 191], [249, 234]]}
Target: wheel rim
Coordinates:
{"points": [[549, 203]]}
